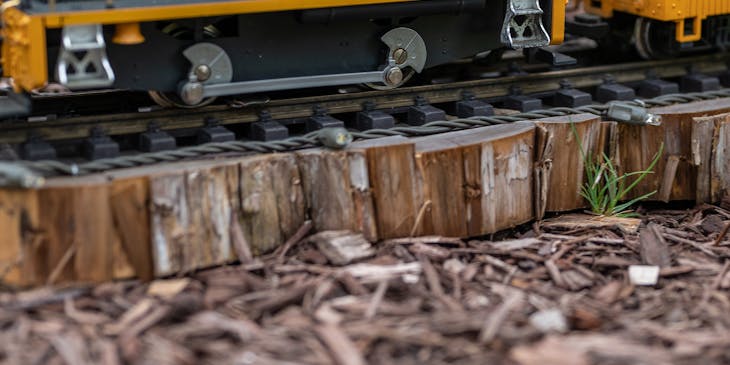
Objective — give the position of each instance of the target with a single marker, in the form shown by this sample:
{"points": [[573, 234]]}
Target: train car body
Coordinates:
{"points": [[198, 49], [663, 28]]}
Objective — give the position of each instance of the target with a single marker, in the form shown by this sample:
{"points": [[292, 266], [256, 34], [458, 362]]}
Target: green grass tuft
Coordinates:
{"points": [[604, 189]]}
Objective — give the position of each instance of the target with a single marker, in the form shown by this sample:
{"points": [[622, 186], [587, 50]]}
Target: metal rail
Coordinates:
{"points": [[131, 123], [30, 174]]}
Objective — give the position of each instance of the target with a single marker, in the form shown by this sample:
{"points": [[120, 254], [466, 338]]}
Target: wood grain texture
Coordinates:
{"points": [[638, 145], [720, 163], [397, 199], [561, 159], [19, 237], [702, 131], [169, 220], [194, 212], [497, 185], [337, 189], [440, 173], [260, 216], [287, 185], [129, 201], [94, 260], [362, 196], [210, 216], [77, 224]]}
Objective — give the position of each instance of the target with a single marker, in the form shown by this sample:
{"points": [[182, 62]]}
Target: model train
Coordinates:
{"points": [[660, 28], [189, 51]]}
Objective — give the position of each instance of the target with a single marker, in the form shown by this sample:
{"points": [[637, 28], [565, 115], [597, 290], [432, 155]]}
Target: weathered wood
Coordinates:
{"points": [[362, 196], [571, 222], [260, 216], [270, 211], [196, 209], [122, 268], [542, 170], [440, 172], [210, 216], [710, 151], [287, 185], [638, 145], [337, 189], [19, 237], [94, 236], [392, 172], [78, 237], [720, 163], [670, 173], [342, 247], [170, 219], [498, 178], [166, 220], [702, 132], [560, 164], [653, 249], [129, 200]]}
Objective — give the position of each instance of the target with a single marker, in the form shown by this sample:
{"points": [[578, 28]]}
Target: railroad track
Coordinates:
{"points": [[491, 89], [193, 204]]}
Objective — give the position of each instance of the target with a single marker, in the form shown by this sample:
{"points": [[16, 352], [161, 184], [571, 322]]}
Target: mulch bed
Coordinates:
{"points": [[556, 292]]}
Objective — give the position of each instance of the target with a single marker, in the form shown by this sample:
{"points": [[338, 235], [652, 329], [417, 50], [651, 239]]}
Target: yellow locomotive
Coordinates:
{"points": [[190, 51], [665, 28]]}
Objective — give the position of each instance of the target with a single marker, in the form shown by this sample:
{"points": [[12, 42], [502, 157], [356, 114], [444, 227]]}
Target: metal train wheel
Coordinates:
{"points": [[655, 40], [171, 100]]}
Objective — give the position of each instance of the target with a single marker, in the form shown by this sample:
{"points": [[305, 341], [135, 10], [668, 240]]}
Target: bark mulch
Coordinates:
{"points": [[556, 292]]}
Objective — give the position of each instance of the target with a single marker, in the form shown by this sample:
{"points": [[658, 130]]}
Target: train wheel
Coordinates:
{"points": [[655, 40], [171, 100]]}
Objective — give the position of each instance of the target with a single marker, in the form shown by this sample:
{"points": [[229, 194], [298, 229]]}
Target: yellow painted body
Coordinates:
{"points": [[558, 22], [24, 57], [153, 13], [24, 50], [678, 11]]}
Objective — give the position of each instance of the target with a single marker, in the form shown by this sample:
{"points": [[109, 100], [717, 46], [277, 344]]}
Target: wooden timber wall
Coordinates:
{"points": [[174, 218]]}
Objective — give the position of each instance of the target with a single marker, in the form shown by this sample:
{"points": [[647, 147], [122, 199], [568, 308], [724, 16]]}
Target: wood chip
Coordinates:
{"points": [[516, 244], [343, 247], [654, 250], [167, 289], [342, 348], [494, 322], [581, 221], [558, 293], [369, 273]]}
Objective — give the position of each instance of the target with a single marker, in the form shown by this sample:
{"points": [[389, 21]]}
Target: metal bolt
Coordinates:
{"points": [[192, 93], [400, 56], [202, 72], [394, 76]]}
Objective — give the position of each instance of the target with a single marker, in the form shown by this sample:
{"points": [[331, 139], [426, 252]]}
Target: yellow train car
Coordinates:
{"points": [[665, 27], [189, 51]]}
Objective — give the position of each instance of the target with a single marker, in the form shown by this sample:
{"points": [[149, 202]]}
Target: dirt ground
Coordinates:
{"points": [[554, 292]]}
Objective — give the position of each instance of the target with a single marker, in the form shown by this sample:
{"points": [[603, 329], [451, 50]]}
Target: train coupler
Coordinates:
{"points": [[523, 27], [82, 60]]}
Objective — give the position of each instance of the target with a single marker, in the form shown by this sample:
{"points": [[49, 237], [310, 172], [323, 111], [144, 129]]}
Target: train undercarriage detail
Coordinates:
{"points": [[211, 72], [263, 46], [657, 29]]}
